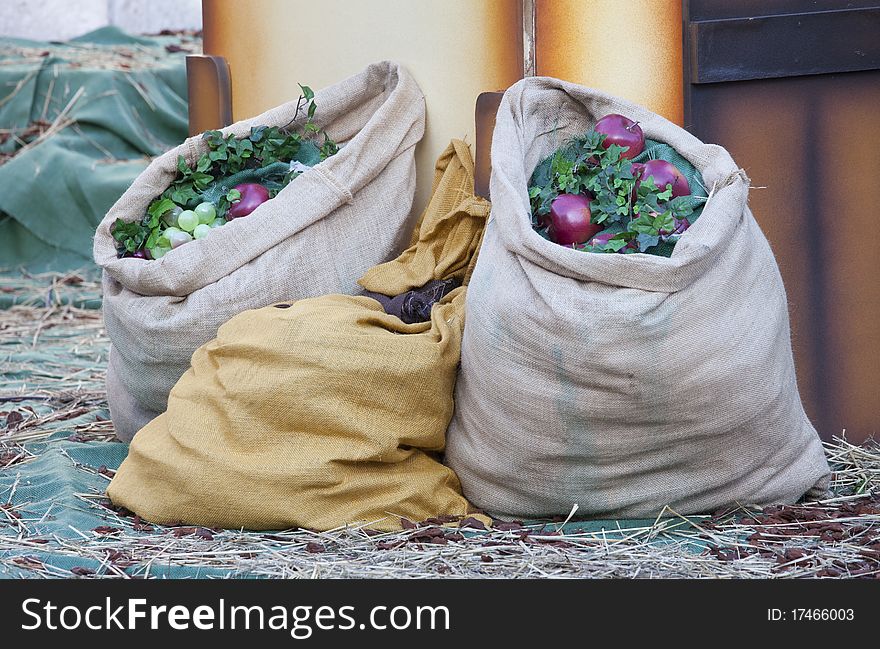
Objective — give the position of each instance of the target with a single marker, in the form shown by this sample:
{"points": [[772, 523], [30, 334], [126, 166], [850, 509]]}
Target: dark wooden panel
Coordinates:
{"points": [[484, 117], [758, 47], [720, 9], [811, 146]]}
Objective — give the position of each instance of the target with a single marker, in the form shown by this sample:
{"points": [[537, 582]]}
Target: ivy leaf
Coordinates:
{"points": [[307, 92], [612, 153], [183, 195], [308, 154], [643, 225], [201, 180], [614, 245], [124, 229], [130, 234], [646, 241], [681, 207], [329, 148], [593, 141], [152, 239], [647, 186], [160, 207], [625, 172], [665, 222]]}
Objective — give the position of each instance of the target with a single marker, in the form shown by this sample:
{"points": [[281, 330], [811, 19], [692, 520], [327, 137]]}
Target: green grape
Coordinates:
{"points": [[178, 238], [188, 220], [201, 231], [170, 217], [206, 212]]}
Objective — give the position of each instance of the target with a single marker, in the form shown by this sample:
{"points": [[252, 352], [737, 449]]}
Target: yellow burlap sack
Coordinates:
{"points": [[323, 412]]}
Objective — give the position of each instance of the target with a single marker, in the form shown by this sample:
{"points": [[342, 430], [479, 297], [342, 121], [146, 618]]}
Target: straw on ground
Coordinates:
{"points": [[838, 537]]}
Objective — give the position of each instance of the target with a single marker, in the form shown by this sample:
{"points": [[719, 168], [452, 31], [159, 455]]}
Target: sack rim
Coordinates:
{"points": [[695, 252], [173, 275]]}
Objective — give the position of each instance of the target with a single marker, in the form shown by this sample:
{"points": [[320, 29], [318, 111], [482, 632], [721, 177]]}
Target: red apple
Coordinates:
{"points": [[665, 173], [637, 169], [570, 220], [252, 196], [624, 132]]}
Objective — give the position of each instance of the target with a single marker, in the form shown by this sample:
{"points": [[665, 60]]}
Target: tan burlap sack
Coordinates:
{"points": [[325, 412], [625, 383], [317, 236]]}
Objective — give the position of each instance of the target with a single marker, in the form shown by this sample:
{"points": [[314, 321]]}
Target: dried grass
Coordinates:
{"points": [[99, 57], [838, 537]]}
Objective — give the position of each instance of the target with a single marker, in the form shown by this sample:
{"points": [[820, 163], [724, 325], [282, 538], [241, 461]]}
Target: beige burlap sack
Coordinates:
{"points": [[317, 236], [625, 383]]}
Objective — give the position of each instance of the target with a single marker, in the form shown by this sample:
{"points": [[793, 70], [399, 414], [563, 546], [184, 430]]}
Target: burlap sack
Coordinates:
{"points": [[317, 236], [324, 412], [625, 383]]}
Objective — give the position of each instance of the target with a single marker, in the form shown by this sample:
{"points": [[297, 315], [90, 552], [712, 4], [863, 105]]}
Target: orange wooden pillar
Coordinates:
{"points": [[629, 48]]}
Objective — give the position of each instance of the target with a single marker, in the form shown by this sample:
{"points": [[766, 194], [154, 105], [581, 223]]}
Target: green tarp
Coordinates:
{"points": [[78, 122], [58, 496]]}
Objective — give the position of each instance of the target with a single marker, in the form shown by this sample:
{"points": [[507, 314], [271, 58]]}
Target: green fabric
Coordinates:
{"points": [[121, 99], [49, 490], [269, 176], [37, 291]]}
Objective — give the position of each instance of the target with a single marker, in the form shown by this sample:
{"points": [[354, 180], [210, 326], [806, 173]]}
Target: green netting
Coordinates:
{"points": [[269, 176], [78, 122]]}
